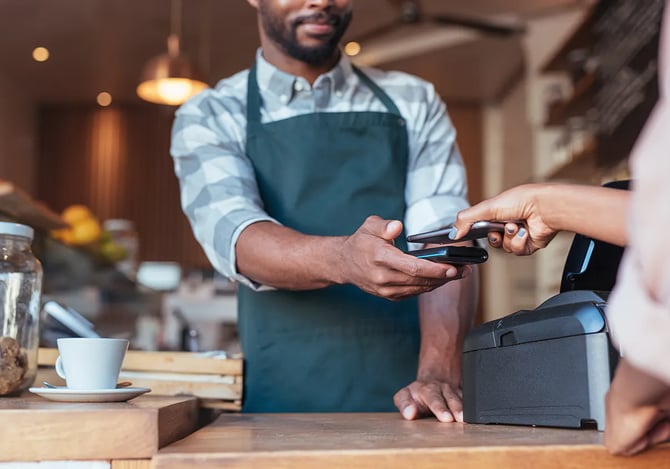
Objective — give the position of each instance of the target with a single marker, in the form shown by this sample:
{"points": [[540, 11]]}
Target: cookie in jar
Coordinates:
{"points": [[20, 296]]}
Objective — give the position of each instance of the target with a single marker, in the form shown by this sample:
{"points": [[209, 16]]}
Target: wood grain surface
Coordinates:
{"points": [[36, 429], [386, 441], [22, 208], [177, 362]]}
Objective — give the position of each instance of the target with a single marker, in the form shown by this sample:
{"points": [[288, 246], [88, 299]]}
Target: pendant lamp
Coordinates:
{"points": [[170, 78]]}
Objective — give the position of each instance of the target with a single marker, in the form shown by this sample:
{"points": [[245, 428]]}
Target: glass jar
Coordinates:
{"points": [[123, 234], [20, 295]]}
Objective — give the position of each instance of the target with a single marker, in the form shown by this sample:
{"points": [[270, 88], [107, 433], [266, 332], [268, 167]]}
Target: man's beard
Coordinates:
{"points": [[287, 38]]}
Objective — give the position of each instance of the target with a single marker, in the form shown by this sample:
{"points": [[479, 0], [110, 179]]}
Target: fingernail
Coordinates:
{"points": [[408, 413], [392, 226], [446, 417], [459, 416], [452, 272], [452, 233], [521, 233]]}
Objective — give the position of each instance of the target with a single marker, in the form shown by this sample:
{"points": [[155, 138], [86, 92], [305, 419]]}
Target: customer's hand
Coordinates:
{"points": [[518, 204], [372, 262], [424, 398], [637, 411]]}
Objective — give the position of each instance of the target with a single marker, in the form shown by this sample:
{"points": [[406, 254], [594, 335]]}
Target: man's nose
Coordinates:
{"points": [[319, 3]]}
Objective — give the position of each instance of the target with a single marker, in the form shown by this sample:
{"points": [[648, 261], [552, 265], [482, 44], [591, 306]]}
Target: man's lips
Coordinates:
{"points": [[318, 24], [317, 28]]}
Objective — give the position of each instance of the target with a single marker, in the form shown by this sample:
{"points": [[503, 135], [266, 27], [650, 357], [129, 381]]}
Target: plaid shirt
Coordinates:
{"points": [[218, 189]]}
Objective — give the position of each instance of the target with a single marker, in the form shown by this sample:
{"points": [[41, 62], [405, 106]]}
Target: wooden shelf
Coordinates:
{"points": [[580, 38], [22, 208], [577, 104], [582, 167]]}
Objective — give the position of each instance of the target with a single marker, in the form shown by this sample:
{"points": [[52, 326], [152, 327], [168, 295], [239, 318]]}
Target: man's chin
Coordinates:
{"points": [[314, 41], [314, 55]]}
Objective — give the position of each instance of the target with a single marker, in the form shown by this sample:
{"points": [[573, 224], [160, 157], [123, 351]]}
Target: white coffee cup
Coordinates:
{"points": [[90, 363]]}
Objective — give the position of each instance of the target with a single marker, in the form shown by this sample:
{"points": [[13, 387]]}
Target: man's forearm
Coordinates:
{"points": [[446, 315], [274, 255]]}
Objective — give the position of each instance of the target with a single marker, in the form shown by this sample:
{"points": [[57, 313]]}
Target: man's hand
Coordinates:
{"points": [[370, 261], [446, 314], [430, 397]]}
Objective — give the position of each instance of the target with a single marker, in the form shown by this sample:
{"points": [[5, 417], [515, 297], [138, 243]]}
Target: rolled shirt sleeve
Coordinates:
{"points": [[436, 181], [219, 193]]}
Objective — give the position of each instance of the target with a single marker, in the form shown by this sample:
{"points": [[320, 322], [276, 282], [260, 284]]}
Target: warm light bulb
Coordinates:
{"points": [[352, 48], [171, 91], [174, 90], [40, 54], [104, 99]]}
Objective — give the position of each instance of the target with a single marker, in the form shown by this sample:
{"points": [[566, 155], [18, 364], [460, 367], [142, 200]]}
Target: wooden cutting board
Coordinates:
{"points": [[16, 205], [34, 428]]}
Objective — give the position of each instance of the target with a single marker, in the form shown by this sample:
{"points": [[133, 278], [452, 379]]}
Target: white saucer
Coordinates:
{"points": [[64, 394]]}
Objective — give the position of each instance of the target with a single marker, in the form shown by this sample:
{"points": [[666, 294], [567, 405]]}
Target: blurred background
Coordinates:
{"points": [[524, 81]]}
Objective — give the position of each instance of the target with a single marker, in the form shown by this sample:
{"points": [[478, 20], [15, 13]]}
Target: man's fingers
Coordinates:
{"points": [[438, 405], [418, 269], [454, 401], [386, 229], [405, 404], [392, 230]]}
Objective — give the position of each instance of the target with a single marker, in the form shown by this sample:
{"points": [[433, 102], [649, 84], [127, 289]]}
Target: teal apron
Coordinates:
{"points": [[336, 349]]}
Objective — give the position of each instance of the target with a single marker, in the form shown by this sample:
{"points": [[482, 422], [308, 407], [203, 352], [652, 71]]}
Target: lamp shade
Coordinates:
{"points": [[169, 79]]}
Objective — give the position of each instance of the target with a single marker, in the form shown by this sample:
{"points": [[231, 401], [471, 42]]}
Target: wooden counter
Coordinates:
{"points": [[36, 429], [386, 441]]}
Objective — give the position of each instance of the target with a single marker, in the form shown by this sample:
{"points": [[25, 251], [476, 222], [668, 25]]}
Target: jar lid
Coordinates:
{"points": [[16, 229]]}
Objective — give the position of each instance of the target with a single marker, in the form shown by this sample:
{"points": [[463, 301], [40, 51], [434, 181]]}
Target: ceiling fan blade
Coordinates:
{"points": [[487, 27]]}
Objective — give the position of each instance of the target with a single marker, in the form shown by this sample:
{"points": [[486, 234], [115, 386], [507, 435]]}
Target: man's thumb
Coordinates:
{"points": [[392, 230]]}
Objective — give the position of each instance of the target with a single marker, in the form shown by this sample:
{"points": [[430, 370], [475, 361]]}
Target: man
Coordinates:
{"points": [[296, 175]]}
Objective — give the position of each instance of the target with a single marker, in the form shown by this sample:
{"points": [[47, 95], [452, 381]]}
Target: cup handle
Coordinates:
{"points": [[59, 367]]}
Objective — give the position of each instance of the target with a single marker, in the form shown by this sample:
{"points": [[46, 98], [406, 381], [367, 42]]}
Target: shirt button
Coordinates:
{"points": [[298, 86], [339, 94], [283, 98]]}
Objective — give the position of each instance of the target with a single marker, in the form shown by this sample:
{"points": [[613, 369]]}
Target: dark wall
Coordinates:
{"points": [[116, 161]]}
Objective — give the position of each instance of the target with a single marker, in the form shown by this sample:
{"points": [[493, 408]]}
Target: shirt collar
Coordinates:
{"points": [[278, 82]]}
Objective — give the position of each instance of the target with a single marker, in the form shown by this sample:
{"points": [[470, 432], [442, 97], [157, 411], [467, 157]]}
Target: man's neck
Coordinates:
{"points": [[288, 64]]}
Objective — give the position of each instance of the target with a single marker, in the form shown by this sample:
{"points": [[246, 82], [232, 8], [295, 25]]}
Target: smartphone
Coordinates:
{"points": [[456, 255], [479, 229]]}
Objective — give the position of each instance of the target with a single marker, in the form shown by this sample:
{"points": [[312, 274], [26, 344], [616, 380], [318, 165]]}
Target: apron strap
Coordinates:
{"points": [[253, 98], [378, 92]]}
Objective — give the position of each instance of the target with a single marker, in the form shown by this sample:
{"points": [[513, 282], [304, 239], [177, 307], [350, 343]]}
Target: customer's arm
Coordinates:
{"points": [[638, 411]]}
